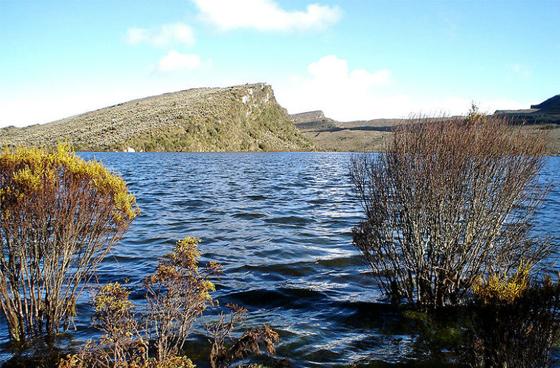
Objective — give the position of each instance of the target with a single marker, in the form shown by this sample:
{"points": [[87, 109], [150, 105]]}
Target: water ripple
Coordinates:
{"points": [[280, 223]]}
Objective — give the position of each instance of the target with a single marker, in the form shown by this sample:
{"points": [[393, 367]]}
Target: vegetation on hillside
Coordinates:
{"points": [[241, 118]]}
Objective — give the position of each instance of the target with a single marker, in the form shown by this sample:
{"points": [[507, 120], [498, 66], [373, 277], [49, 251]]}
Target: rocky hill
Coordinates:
{"points": [[239, 118], [313, 120], [547, 112]]}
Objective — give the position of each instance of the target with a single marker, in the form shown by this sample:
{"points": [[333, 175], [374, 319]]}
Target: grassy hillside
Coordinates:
{"points": [[240, 118]]}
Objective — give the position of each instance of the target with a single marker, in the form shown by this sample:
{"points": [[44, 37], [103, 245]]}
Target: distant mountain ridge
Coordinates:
{"points": [[552, 105], [238, 118], [313, 119], [373, 135], [547, 112]]}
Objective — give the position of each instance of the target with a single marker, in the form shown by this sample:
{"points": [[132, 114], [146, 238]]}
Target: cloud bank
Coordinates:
{"points": [[176, 61], [265, 15], [348, 94], [167, 34]]}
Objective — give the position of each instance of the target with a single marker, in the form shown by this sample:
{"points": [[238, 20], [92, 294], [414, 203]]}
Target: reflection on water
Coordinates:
{"points": [[280, 224]]}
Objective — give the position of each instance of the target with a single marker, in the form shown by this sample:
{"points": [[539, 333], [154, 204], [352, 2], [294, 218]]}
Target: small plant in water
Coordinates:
{"points": [[514, 322], [177, 293], [226, 350], [121, 344]]}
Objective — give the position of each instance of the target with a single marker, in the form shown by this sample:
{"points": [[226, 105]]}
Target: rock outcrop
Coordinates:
{"points": [[547, 112]]}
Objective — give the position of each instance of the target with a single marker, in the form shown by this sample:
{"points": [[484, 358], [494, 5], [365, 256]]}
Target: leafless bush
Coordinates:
{"points": [[59, 216], [450, 199], [250, 343]]}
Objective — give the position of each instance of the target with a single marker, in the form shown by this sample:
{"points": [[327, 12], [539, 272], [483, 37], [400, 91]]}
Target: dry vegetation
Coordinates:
{"points": [[241, 118], [447, 230], [448, 201]]}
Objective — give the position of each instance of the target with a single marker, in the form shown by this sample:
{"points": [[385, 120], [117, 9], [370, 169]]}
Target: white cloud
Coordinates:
{"points": [[521, 70], [342, 93], [49, 106], [265, 15], [166, 35], [358, 94], [176, 61]]}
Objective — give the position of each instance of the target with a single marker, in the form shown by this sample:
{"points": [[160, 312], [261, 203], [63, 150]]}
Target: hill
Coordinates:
{"points": [[239, 118], [372, 135], [331, 135], [313, 120], [547, 112]]}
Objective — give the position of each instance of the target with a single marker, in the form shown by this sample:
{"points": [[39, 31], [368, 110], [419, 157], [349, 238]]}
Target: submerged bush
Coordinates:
{"points": [[121, 344], [226, 350], [59, 216], [449, 200], [510, 322], [178, 292], [513, 323]]}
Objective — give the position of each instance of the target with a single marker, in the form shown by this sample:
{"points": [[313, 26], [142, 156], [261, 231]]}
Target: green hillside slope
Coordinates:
{"points": [[239, 118]]}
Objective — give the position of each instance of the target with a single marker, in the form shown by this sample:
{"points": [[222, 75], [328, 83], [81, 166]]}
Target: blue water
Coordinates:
{"points": [[280, 224]]}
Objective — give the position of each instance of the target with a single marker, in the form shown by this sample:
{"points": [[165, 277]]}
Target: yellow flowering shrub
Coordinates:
{"points": [[59, 217], [503, 288], [29, 171]]}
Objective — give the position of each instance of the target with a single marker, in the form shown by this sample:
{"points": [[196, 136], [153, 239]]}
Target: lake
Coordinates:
{"points": [[280, 224]]}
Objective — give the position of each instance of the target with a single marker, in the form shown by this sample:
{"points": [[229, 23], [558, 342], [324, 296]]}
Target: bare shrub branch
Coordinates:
{"points": [[252, 342]]}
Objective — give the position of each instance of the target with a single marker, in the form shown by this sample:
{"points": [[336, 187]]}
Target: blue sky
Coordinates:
{"points": [[352, 59]]}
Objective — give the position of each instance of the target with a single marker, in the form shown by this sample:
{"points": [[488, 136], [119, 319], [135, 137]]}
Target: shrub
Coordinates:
{"points": [[513, 329], [178, 292], [502, 288], [226, 350], [121, 344], [449, 200], [59, 216]]}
